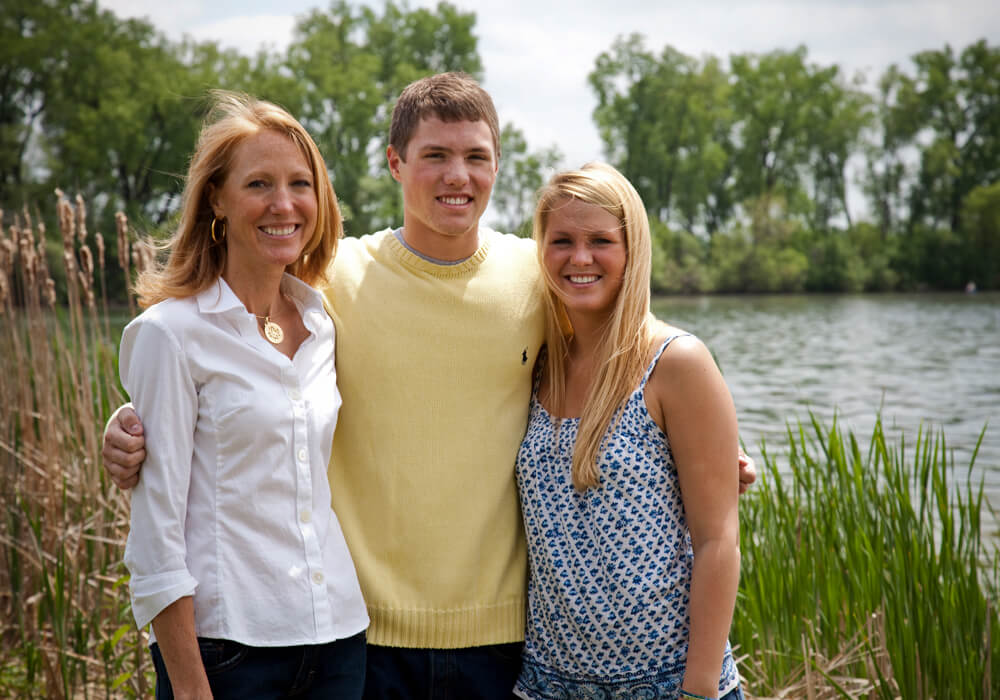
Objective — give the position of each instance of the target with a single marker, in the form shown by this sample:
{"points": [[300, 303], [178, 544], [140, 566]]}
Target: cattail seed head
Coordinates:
{"points": [[29, 268], [99, 240], [49, 295], [7, 250], [87, 262], [27, 216], [88, 294], [143, 256], [67, 221], [81, 219], [25, 233], [121, 222]]}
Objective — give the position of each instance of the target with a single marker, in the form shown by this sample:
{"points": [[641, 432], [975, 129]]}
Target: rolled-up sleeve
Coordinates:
{"points": [[154, 371]]}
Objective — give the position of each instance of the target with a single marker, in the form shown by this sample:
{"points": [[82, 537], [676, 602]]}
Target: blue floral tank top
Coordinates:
{"points": [[610, 568]]}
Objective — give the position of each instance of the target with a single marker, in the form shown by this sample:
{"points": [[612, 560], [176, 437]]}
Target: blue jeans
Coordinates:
{"points": [[315, 671], [474, 673]]}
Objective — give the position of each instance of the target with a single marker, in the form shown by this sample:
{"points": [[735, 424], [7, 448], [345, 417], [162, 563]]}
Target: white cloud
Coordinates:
{"points": [[172, 18], [248, 33]]}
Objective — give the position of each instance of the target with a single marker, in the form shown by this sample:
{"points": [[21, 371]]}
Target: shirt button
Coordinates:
{"points": [[295, 394], [318, 577], [305, 516], [303, 455]]}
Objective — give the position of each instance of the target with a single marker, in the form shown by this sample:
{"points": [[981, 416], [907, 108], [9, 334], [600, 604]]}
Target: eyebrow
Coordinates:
{"points": [[297, 173], [449, 149], [588, 234]]}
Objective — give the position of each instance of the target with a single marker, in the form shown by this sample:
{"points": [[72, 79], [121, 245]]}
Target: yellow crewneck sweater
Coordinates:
{"points": [[434, 363]]}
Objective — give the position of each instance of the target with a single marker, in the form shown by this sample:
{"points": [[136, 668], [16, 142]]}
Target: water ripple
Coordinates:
{"points": [[929, 361]]}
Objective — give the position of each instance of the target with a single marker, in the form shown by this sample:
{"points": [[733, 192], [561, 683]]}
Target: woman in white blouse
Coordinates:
{"points": [[235, 555]]}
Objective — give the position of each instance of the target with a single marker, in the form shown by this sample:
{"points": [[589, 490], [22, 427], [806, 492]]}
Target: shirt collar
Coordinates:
{"points": [[219, 298]]}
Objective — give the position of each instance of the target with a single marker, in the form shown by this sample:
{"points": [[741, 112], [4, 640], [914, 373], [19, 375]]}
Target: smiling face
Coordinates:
{"points": [[447, 177], [269, 203], [584, 254]]}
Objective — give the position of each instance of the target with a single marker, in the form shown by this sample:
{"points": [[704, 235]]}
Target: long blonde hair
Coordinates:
{"points": [[628, 342], [195, 261]]}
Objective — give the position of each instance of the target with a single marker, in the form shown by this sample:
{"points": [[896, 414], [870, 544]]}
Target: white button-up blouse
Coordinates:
{"points": [[233, 502]]}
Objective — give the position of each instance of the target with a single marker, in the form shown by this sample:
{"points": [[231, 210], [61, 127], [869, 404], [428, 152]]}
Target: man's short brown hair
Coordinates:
{"points": [[451, 97]]}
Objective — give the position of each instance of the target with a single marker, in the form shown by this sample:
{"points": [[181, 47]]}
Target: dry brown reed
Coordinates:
{"points": [[65, 626], [820, 677]]}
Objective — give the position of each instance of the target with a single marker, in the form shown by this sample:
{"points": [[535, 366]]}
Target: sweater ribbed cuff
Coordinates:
{"points": [[447, 629]]}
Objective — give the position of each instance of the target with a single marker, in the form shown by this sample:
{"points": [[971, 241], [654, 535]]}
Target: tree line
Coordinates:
{"points": [[761, 172], [748, 167]]}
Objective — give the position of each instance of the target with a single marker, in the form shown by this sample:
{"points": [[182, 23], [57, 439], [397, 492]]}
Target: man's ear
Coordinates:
{"points": [[394, 158]]}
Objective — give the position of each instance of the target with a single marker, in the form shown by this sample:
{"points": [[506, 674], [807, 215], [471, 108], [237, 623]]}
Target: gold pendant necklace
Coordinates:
{"points": [[272, 331]]}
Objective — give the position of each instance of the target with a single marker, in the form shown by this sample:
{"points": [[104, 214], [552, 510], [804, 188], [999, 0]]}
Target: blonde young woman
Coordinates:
{"points": [[235, 556], [627, 473]]}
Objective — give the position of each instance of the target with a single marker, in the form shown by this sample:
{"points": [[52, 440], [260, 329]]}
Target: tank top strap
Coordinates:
{"points": [[656, 357]]}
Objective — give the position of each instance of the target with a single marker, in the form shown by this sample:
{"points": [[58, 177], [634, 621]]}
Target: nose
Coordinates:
{"points": [[581, 255], [456, 172], [281, 200]]}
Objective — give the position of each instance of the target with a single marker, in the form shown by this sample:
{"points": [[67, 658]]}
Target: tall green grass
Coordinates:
{"points": [[866, 572]]}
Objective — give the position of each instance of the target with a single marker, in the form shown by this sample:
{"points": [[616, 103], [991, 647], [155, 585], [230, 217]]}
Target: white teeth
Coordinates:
{"points": [[278, 230], [583, 279], [454, 200]]}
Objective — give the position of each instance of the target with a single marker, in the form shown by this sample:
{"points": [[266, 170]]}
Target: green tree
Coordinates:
{"points": [[522, 173], [980, 236], [874, 257], [262, 75], [30, 34], [771, 93], [678, 264], [894, 127], [798, 124], [957, 100], [121, 115], [762, 254], [665, 123], [352, 63], [838, 117]]}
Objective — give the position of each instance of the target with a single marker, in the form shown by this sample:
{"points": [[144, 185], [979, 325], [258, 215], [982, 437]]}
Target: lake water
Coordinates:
{"points": [[930, 360]]}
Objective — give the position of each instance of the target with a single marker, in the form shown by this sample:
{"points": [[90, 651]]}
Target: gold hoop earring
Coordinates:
{"points": [[215, 219]]}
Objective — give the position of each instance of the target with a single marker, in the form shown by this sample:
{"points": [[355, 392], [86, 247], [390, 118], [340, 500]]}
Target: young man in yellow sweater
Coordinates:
{"points": [[438, 326]]}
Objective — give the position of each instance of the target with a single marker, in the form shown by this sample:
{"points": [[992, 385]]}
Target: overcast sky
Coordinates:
{"points": [[536, 53]]}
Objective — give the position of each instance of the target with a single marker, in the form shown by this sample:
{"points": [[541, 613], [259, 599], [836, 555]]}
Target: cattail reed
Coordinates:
{"points": [[124, 257], [99, 242], [64, 613]]}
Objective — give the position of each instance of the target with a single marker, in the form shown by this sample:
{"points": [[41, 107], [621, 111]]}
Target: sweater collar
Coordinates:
{"points": [[415, 261]]}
